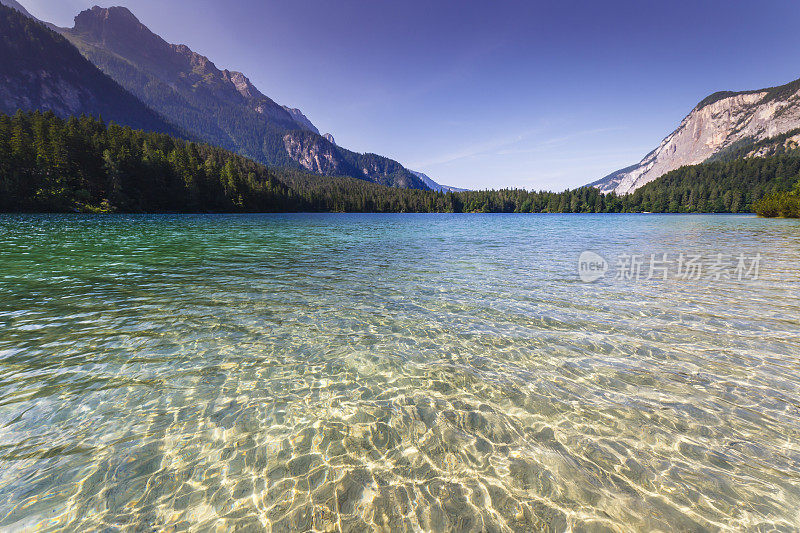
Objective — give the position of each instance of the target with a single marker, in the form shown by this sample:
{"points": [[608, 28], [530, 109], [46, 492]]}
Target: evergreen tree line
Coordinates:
{"points": [[48, 164], [718, 187], [79, 164]]}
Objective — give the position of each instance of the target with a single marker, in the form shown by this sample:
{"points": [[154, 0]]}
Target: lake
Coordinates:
{"points": [[399, 373]]}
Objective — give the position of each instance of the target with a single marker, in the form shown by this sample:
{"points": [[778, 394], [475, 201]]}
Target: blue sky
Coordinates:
{"points": [[504, 93]]}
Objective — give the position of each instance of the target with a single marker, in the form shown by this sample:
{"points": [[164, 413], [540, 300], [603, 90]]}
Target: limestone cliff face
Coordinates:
{"points": [[772, 147], [719, 122], [314, 154]]}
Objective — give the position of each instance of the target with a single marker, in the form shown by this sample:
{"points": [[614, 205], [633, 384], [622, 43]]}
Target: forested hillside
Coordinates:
{"points": [[80, 164], [51, 164], [723, 187]]}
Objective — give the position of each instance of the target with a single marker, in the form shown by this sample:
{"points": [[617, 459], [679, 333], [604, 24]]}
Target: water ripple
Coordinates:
{"points": [[393, 373]]}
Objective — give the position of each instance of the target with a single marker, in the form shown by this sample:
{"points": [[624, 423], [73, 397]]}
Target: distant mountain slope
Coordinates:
{"points": [[16, 5], [42, 70], [435, 186], [722, 122], [219, 106]]}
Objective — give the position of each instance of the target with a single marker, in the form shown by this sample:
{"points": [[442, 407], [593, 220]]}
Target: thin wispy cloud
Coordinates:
{"points": [[477, 149], [556, 141], [501, 146]]}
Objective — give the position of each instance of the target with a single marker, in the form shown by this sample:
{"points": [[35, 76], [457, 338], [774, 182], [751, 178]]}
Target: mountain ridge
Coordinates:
{"points": [[721, 122], [219, 106], [117, 30], [42, 71], [13, 4]]}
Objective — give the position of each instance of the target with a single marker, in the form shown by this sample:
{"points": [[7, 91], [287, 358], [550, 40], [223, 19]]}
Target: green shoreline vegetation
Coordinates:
{"points": [[780, 204], [49, 164]]}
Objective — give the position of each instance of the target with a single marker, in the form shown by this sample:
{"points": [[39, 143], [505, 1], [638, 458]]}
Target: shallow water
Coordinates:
{"points": [[395, 372]]}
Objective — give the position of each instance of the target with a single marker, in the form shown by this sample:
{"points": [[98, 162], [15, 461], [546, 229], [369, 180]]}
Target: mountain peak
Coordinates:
{"points": [[435, 186], [243, 84], [42, 71], [117, 15], [114, 24]]}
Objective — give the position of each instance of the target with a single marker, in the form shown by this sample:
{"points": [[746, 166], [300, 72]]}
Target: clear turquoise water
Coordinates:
{"points": [[394, 372]]}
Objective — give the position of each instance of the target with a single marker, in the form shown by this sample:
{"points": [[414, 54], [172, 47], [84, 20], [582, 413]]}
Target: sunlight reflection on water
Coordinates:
{"points": [[394, 372]]}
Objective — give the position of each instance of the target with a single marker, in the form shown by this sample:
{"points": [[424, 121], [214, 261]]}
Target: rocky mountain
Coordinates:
{"points": [[219, 106], [40, 70], [318, 157], [435, 186], [722, 123], [301, 119]]}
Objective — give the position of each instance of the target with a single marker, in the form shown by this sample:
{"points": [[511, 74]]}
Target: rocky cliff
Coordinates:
{"points": [[316, 156], [720, 123], [322, 156]]}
